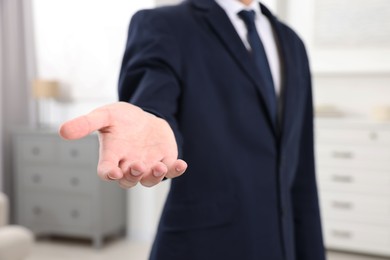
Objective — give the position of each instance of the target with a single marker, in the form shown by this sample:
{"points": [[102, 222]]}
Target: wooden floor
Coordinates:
{"points": [[69, 249]]}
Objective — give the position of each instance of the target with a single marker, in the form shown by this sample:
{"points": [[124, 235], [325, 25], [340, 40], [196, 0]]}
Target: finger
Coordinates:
{"points": [[109, 161], [158, 172], [109, 171], [133, 172], [125, 184], [82, 126], [177, 169]]}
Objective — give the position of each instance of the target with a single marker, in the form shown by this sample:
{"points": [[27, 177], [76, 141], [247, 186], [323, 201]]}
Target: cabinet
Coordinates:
{"points": [[57, 190], [353, 171]]}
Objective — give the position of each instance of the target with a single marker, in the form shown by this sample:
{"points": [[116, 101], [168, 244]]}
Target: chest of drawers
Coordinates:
{"points": [[57, 190], [353, 169]]}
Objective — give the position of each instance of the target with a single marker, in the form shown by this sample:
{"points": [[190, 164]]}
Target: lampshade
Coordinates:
{"points": [[45, 88], [381, 113]]}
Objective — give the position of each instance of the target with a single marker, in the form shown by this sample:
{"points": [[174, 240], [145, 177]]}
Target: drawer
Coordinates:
{"points": [[365, 239], [37, 177], [355, 208], [353, 136], [349, 156], [38, 149], [78, 180], [80, 152], [44, 209], [35, 211], [358, 181], [75, 211]]}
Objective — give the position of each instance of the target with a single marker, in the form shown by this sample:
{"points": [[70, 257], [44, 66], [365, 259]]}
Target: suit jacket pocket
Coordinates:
{"points": [[201, 215]]}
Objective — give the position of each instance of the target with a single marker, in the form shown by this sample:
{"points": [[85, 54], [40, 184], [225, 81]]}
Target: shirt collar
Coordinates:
{"points": [[233, 7]]}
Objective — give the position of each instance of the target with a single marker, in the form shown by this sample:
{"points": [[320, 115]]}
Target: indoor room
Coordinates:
{"points": [[318, 141]]}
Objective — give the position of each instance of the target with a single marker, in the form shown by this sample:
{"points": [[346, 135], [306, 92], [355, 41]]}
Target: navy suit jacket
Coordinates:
{"points": [[250, 191]]}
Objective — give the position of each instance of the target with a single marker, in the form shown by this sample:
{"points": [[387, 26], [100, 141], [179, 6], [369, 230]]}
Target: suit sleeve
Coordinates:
{"points": [[308, 233], [150, 68]]}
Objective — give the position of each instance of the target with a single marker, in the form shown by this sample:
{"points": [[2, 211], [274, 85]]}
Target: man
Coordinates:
{"points": [[225, 86]]}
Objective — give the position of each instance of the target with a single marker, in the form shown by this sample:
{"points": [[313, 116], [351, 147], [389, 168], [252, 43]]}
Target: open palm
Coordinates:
{"points": [[135, 146]]}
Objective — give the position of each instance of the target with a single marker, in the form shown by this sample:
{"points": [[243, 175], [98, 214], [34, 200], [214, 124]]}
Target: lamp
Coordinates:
{"points": [[44, 91], [381, 113]]}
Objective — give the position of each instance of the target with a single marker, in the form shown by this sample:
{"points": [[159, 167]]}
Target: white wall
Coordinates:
{"points": [[352, 76], [356, 95], [145, 205], [1, 98], [166, 2], [80, 44]]}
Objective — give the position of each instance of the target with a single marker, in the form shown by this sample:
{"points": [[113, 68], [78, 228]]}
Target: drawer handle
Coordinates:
{"points": [[342, 155], [35, 151], [75, 214], [37, 210], [75, 181], [342, 234], [373, 136], [36, 178], [342, 178], [74, 153], [342, 205]]}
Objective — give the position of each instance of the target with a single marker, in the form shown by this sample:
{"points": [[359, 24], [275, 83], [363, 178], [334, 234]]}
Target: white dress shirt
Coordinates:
{"points": [[264, 28]]}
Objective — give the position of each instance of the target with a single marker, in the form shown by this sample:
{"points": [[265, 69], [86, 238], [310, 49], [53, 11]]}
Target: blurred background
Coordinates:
{"points": [[61, 58]]}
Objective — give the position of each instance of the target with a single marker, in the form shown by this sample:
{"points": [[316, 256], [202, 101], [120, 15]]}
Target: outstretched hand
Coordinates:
{"points": [[135, 146]]}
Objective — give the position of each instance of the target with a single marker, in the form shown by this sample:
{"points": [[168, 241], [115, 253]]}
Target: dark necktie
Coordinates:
{"points": [[261, 60]]}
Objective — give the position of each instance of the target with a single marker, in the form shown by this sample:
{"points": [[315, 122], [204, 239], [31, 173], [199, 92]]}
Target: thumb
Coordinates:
{"points": [[82, 126]]}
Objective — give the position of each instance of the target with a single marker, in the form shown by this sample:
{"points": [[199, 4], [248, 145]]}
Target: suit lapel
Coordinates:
{"points": [[224, 29], [290, 97]]}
